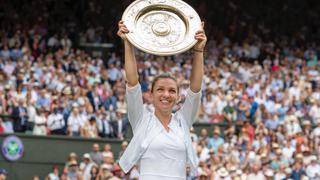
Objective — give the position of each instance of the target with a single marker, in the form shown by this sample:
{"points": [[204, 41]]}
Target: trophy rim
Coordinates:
{"points": [[130, 36]]}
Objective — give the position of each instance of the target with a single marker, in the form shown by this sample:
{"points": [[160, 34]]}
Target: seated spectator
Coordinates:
{"points": [[3, 174], [72, 157], [54, 175], [313, 169], [86, 166], [215, 141], [74, 172]]}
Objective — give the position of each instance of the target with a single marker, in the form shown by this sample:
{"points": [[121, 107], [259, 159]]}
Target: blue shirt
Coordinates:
{"points": [[214, 143]]}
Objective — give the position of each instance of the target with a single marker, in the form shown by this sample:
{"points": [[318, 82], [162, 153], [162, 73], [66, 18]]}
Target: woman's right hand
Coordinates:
{"points": [[123, 30]]}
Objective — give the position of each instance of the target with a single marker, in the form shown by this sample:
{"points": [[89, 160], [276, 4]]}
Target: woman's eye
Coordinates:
{"points": [[172, 91]]}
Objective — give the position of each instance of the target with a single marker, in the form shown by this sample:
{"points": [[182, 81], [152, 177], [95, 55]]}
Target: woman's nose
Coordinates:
{"points": [[166, 93]]}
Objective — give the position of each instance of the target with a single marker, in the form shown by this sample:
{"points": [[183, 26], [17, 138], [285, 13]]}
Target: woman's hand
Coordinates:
{"points": [[201, 37], [123, 30]]}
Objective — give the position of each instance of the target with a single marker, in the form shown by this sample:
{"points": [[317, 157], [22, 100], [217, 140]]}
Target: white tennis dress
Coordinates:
{"points": [[161, 154], [165, 158]]}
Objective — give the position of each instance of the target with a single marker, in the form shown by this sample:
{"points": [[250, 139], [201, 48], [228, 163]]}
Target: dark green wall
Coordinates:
{"points": [[42, 152]]}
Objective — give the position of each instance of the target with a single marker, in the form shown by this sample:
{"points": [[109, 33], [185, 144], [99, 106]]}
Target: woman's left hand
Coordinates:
{"points": [[201, 37]]}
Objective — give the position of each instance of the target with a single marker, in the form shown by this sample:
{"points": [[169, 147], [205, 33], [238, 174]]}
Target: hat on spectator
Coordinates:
{"points": [[288, 170], [7, 86], [222, 172], [67, 91], [313, 158], [86, 156], [306, 123], [233, 169], [75, 105], [124, 143], [3, 171]]}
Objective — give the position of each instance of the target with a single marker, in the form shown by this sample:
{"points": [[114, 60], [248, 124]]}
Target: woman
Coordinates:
{"points": [[161, 143], [40, 123]]}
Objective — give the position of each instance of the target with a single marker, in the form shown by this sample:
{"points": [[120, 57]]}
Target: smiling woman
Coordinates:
{"points": [[161, 145]]}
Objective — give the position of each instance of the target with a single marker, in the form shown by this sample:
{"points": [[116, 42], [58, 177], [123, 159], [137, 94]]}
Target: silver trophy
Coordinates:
{"points": [[161, 27]]}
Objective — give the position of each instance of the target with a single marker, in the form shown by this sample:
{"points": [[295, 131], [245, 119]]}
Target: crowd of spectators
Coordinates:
{"points": [[95, 165], [263, 85]]}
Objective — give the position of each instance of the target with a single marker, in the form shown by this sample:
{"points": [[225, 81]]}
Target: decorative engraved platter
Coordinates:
{"points": [[161, 27]]}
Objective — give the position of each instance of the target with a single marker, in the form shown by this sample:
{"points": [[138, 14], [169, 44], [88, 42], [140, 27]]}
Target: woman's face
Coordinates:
{"points": [[165, 95]]}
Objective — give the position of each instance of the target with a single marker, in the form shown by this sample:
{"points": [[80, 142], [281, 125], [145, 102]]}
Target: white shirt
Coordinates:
{"points": [[55, 121], [313, 171], [258, 176], [288, 151], [74, 122]]}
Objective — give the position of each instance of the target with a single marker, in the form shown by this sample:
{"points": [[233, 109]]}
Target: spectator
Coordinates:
{"points": [[107, 150], [104, 126], [74, 122], [71, 158], [313, 170], [216, 141], [86, 166], [256, 172], [90, 128], [56, 122], [54, 175], [96, 155], [20, 114], [40, 123], [120, 125], [74, 172], [124, 146], [3, 174], [94, 173]]}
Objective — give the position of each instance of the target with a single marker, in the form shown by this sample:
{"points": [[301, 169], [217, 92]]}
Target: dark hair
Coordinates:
{"points": [[163, 76]]}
